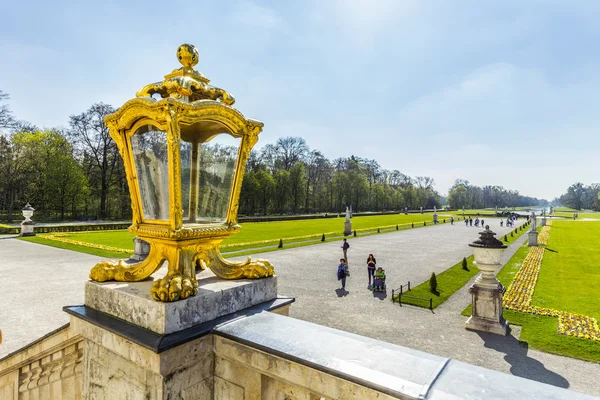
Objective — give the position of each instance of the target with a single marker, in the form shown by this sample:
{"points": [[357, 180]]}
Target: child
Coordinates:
{"points": [[341, 273]]}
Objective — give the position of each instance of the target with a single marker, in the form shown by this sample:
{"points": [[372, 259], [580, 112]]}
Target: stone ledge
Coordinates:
{"points": [[132, 302], [159, 343]]}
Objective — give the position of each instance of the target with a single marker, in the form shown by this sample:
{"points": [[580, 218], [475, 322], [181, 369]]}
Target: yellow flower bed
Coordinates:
{"points": [[543, 236], [578, 325], [519, 295]]}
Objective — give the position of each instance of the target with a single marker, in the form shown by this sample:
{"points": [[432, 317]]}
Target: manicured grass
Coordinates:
{"points": [[566, 209], [254, 231], [592, 215], [258, 231], [448, 282], [540, 332], [570, 272]]}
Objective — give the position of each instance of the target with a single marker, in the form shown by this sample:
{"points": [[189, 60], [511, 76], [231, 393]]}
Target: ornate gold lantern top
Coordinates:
{"points": [[164, 144], [184, 149]]}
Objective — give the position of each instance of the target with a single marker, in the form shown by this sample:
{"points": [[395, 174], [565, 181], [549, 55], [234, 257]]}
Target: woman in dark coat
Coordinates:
{"points": [[371, 265]]}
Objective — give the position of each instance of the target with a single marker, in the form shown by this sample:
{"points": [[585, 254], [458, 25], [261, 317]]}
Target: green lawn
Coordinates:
{"points": [[256, 231], [541, 332], [593, 215], [565, 209], [570, 270], [448, 282]]}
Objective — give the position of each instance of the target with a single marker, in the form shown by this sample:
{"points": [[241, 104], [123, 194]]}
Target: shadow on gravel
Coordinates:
{"points": [[520, 363], [341, 292], [380, 295]]}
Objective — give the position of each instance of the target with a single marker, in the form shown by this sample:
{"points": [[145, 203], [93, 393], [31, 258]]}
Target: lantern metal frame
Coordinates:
{"points": [[187, 101]]}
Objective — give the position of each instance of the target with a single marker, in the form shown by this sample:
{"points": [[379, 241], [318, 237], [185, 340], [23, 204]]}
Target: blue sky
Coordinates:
{"points": [[496, 92]]}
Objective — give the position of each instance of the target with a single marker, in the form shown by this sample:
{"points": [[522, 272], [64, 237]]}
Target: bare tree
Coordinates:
{"points": [[316, 165], [24, 126], [6, 117], [90, 133], [291, 150], [424, 182], [268, 157]]}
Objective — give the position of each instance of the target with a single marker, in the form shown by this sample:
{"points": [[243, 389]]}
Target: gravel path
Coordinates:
{"points": [[308, 274], [37, 281]]}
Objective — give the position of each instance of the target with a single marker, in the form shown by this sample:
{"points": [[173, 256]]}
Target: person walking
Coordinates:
{"points": [[451, 220], [342, 273], [371, 263], [470, 221], [482, 223], [466, 222], [345, 247]]}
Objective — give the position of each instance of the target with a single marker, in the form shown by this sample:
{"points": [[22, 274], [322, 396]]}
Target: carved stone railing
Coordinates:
{"points": [[47, 369]]}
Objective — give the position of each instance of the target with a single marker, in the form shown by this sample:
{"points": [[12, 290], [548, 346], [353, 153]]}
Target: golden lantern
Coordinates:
{"points": [[184, 149]]}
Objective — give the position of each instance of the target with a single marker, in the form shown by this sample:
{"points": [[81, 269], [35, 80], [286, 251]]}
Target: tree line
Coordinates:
{"points": [[289, 177], [70, 173], [77, 173], [465, 195], [580, 197]]}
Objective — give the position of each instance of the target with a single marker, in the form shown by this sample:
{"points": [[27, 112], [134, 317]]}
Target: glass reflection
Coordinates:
{"points": [[149, 145], [207, 172]]}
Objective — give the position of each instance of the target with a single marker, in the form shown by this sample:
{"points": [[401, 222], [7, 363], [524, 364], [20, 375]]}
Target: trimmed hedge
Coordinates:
{"points": [[68, 228]]}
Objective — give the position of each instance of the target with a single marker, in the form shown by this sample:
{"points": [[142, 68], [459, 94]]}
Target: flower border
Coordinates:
{"points": [[519, 295]]}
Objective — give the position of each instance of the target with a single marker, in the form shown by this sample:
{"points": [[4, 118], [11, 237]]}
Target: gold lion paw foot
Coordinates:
{"points": [[107, 270], [173, 287], [258, 269]]}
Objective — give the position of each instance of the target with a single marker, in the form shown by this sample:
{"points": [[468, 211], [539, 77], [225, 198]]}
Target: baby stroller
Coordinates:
{"points": [[379, 283]]}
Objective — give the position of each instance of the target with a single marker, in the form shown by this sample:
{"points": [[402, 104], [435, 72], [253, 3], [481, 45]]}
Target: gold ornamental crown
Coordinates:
{"points": [[186, 84]]}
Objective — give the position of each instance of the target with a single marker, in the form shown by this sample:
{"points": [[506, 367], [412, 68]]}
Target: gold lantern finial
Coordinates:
{"points": [[164, 143], [186, 84], [187, 55]]}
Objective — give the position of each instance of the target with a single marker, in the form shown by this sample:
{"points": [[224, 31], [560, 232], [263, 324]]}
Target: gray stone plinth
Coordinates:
{"points": [[544, 221], [132, 302], [487, 311], [116, 368], [532, 238], [141, 249], [27, 229], [347, 228]]}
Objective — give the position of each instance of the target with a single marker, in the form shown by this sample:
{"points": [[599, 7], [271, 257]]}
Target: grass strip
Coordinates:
{"points": [[451, 280], [448, 282]]}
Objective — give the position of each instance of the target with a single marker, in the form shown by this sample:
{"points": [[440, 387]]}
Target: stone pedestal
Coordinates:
{"points": [[27, 228], [132, 302], [136, 347], [141, 249], [487, 311], [544, 221], [347, 228], [532, 238]]}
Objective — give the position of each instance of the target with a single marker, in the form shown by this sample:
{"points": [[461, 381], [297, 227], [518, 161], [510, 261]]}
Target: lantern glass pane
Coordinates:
{"points": [[207, 173], [149, 145]]}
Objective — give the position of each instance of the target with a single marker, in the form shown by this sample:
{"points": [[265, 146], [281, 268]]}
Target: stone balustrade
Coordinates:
{"points": [[50, 368]]}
